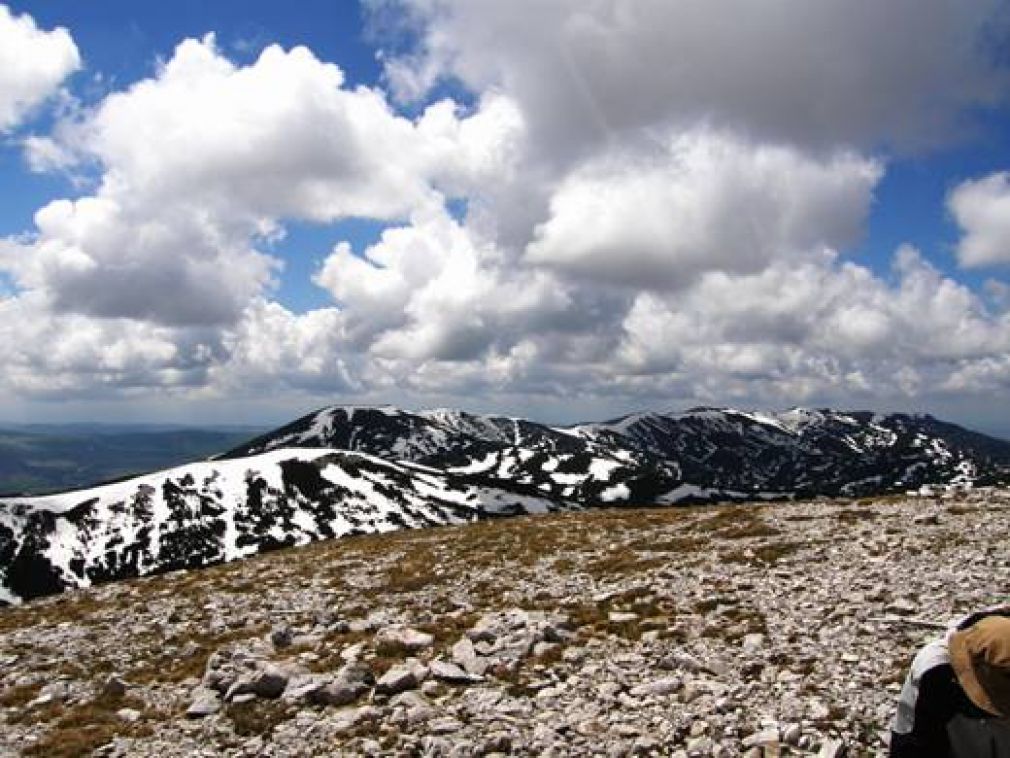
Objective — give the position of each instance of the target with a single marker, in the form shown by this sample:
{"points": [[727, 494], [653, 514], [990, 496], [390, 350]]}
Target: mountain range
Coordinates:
{"points": [[347, 470]]}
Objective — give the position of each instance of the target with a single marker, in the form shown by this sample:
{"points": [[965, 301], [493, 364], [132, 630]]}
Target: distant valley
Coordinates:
{"points": [[41, 458]]}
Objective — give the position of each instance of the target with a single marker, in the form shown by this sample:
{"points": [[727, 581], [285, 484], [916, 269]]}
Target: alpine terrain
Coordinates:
{"points": [[357, 470]]}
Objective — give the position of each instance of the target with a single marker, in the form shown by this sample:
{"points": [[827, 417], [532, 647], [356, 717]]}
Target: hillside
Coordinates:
{"points": [[774, 629], [346, 471]]}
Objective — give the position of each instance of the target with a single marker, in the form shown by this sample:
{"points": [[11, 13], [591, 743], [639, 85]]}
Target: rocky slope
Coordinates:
{"points": [[346, 470], [775, 629]]}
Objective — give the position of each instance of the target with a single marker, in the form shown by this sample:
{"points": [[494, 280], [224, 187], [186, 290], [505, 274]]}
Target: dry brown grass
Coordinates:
{"points": [[77, 742], [448, 628], [762, 555], [21, 695], [329, 651], [74, 607], [411, 574], [749, 530], [678, 545], [621, 563], [257, 717], [855, 515], [725, 516], [709, 604], [81, 729], [746, 620], [962, 510], [38, 714], [161, 667]]}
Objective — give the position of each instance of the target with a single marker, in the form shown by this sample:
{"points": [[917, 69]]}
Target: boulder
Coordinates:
{"points": [[450, 672], [269, 681], [339, 692], [205, 703], [667, 685], [405, 638], [397, 679], [281, 635], [114, 687]]}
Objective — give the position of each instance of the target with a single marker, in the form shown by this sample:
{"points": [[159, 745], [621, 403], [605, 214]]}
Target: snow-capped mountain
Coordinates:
{"points": [[806, 453], [348, 470], [504, 452], [211, 512], [703, 453]]}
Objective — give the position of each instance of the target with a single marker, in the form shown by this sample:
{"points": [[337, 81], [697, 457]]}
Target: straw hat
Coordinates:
{"points": [[980, 656]]}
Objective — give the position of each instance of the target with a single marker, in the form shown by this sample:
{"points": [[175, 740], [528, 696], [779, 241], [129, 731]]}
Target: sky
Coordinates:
{"points": [[563, 209]]}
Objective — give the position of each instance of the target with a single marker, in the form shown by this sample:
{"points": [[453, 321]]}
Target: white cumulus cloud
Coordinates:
{"points": [[818, 327], [60, 356], [816, 72], [982, 209], [33, 64], [435, 290], [706, 202], [203, 162]]}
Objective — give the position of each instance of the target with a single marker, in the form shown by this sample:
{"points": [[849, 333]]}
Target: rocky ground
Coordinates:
{"points": [[742, 630]]}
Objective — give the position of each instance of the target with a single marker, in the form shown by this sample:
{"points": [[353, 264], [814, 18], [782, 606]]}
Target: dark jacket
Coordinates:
{"points": [[935, 717]]}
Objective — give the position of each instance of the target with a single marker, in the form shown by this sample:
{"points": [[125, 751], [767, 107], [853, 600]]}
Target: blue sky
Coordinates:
{"points": [[910, 202], [571, 212], [123, 41]]}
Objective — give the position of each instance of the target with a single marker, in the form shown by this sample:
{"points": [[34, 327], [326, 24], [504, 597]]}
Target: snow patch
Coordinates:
{"points": [[600, 469], [617, 492], [476, 466], [7, 597], [568, 479], [685, 491]]}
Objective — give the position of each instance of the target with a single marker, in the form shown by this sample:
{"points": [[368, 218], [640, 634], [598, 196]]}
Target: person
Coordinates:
{"points": [[956, 699]]}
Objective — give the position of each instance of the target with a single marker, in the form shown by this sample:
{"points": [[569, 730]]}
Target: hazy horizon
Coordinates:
{"points": [[269, 422]]}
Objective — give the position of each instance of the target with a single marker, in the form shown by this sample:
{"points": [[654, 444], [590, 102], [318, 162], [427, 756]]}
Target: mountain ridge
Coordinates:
{"points": [[345, 470]]}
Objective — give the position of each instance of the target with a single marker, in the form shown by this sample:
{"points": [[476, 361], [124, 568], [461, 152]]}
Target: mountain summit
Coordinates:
{"points": [[352, 470]]}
